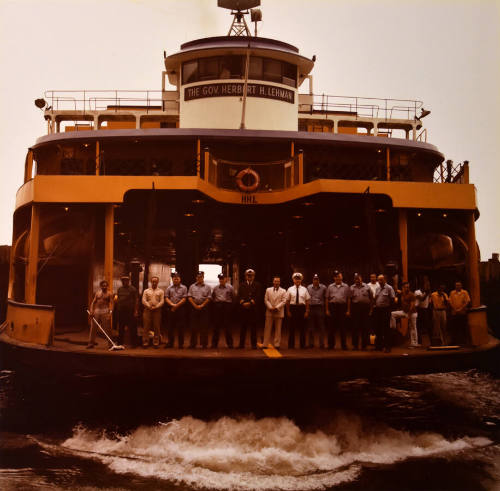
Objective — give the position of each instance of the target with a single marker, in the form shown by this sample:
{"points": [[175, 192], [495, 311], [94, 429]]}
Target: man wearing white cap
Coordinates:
{"points": [[249, 298], [275, 300], [297, 309]]}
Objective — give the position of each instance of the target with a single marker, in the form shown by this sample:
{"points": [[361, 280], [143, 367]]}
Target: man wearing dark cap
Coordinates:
{"points": [[338, 296], [316, 321], [199, 296], [127, 310], [361, 305], [249, 300], [297, 309], [222, 297], [175, 299]]}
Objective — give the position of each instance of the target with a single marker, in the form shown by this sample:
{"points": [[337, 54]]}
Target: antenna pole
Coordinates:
{"points": [[245, 87]]}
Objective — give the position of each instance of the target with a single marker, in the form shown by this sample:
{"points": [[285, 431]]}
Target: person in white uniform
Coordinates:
{"points": [[297, 309], [275, 300]]}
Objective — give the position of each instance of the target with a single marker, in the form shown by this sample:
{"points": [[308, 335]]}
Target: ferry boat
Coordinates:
{"points": [[237, 164]]}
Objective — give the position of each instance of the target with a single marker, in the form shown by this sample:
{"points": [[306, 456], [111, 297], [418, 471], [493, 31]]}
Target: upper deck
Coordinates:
{"points": [[119, 109]]}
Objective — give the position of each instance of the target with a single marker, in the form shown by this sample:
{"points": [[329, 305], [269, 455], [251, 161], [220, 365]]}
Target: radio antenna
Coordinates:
{"points": [[239, 8]]}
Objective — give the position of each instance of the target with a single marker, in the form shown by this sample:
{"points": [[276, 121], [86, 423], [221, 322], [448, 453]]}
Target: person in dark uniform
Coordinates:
{"points": [[361, 302], [127, 310], [175, 301], [222, 298], [249, 299], [382, 306]]}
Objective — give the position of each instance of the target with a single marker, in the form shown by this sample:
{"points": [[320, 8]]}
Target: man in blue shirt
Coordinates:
{"points": [[383, 301], [222, 297], [199, 296], [338, 296], [175, 300], [361, 301], [316, 312]]}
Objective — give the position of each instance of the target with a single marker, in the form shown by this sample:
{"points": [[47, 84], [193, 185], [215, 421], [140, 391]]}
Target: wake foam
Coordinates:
{"points": [[269, 453]]}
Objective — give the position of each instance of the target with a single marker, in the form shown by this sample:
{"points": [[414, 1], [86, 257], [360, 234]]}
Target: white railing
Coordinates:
{"points": [[102, 100], [368, 107]]}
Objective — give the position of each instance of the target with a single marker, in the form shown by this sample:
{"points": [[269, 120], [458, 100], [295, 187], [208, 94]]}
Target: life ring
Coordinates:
{"points": [[250, 188]]}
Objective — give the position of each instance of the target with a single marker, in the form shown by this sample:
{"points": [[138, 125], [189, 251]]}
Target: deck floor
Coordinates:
{"points": [[76, 341]]}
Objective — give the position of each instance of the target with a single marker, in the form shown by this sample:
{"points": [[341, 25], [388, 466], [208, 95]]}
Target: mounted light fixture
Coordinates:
{"points": [[423, 114], [40, 103]]}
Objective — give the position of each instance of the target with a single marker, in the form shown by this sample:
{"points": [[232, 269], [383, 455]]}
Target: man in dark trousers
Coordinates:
{"points": [[175, 300], [222, 300], [199, 296], [249, 299], [127, 310]]}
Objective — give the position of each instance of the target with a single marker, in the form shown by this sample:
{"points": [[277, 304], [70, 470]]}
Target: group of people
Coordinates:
{"points": [[315, 310]]}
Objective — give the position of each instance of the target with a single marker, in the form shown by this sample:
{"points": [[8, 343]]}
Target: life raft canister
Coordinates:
{"points": [[247, 188]]}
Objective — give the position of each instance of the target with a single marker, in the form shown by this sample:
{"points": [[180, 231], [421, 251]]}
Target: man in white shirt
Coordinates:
{"points": [[275, 300], [297, 309], [152, 299]]}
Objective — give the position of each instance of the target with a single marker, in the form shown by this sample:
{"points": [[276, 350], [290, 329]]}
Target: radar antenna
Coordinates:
{"points": [[238, 9]]}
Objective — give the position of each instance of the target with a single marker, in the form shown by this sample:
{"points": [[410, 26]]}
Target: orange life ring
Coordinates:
{"points": [[244, 187]]}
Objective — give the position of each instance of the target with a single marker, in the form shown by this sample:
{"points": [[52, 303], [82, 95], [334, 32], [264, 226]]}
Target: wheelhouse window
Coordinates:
{"points": [[233, 67]]}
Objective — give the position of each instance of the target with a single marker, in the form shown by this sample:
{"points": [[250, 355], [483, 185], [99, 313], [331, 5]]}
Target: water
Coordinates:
{"points": [[428, 432]]}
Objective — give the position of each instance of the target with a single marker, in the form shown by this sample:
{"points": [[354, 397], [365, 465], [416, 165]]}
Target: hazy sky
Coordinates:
{"points": [[445, 53]]}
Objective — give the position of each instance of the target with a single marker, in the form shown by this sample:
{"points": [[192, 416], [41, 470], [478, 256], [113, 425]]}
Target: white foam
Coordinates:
{"points": [[270, 453]]}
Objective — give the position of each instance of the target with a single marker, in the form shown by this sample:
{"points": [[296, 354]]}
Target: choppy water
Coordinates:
{"points": [[428, 432]]}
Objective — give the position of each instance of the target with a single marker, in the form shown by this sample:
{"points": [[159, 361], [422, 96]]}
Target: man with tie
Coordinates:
{"points": [[249, 300], [275, 300], [297, 309]]}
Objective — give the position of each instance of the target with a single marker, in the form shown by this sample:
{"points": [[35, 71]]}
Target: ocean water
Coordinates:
{"points": [[426, 432]]}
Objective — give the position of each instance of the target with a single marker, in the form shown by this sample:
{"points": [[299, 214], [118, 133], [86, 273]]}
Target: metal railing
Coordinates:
{"points": [[368, 107], [102, 100], [447, 172]]}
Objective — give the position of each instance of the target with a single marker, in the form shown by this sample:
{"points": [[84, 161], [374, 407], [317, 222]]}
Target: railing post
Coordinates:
{"points": [[449, 164], [465, 172]]}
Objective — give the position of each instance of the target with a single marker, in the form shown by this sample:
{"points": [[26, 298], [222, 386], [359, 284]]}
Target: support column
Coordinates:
{"points": [[198, 157], [97, 158], [388, 162], [32, 266], [403, 242], [478, 324], [109, 232], [301, 167], [207, 163]]}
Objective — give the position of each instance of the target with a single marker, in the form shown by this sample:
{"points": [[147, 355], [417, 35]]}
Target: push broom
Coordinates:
{"points": [[114, 347]]}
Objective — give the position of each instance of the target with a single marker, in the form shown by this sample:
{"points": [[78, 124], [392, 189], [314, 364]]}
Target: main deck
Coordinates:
{"points": [[68, 357]]}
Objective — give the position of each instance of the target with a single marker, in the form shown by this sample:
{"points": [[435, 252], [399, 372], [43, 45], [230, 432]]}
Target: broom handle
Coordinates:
{"points": [[102, 330]]}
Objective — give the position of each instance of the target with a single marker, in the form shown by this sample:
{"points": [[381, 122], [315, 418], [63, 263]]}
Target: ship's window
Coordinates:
{"points": [[235, 65], [226, 67], [289, 74], [190, 72], [208, 68], [272, 70], [255, 68]]}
